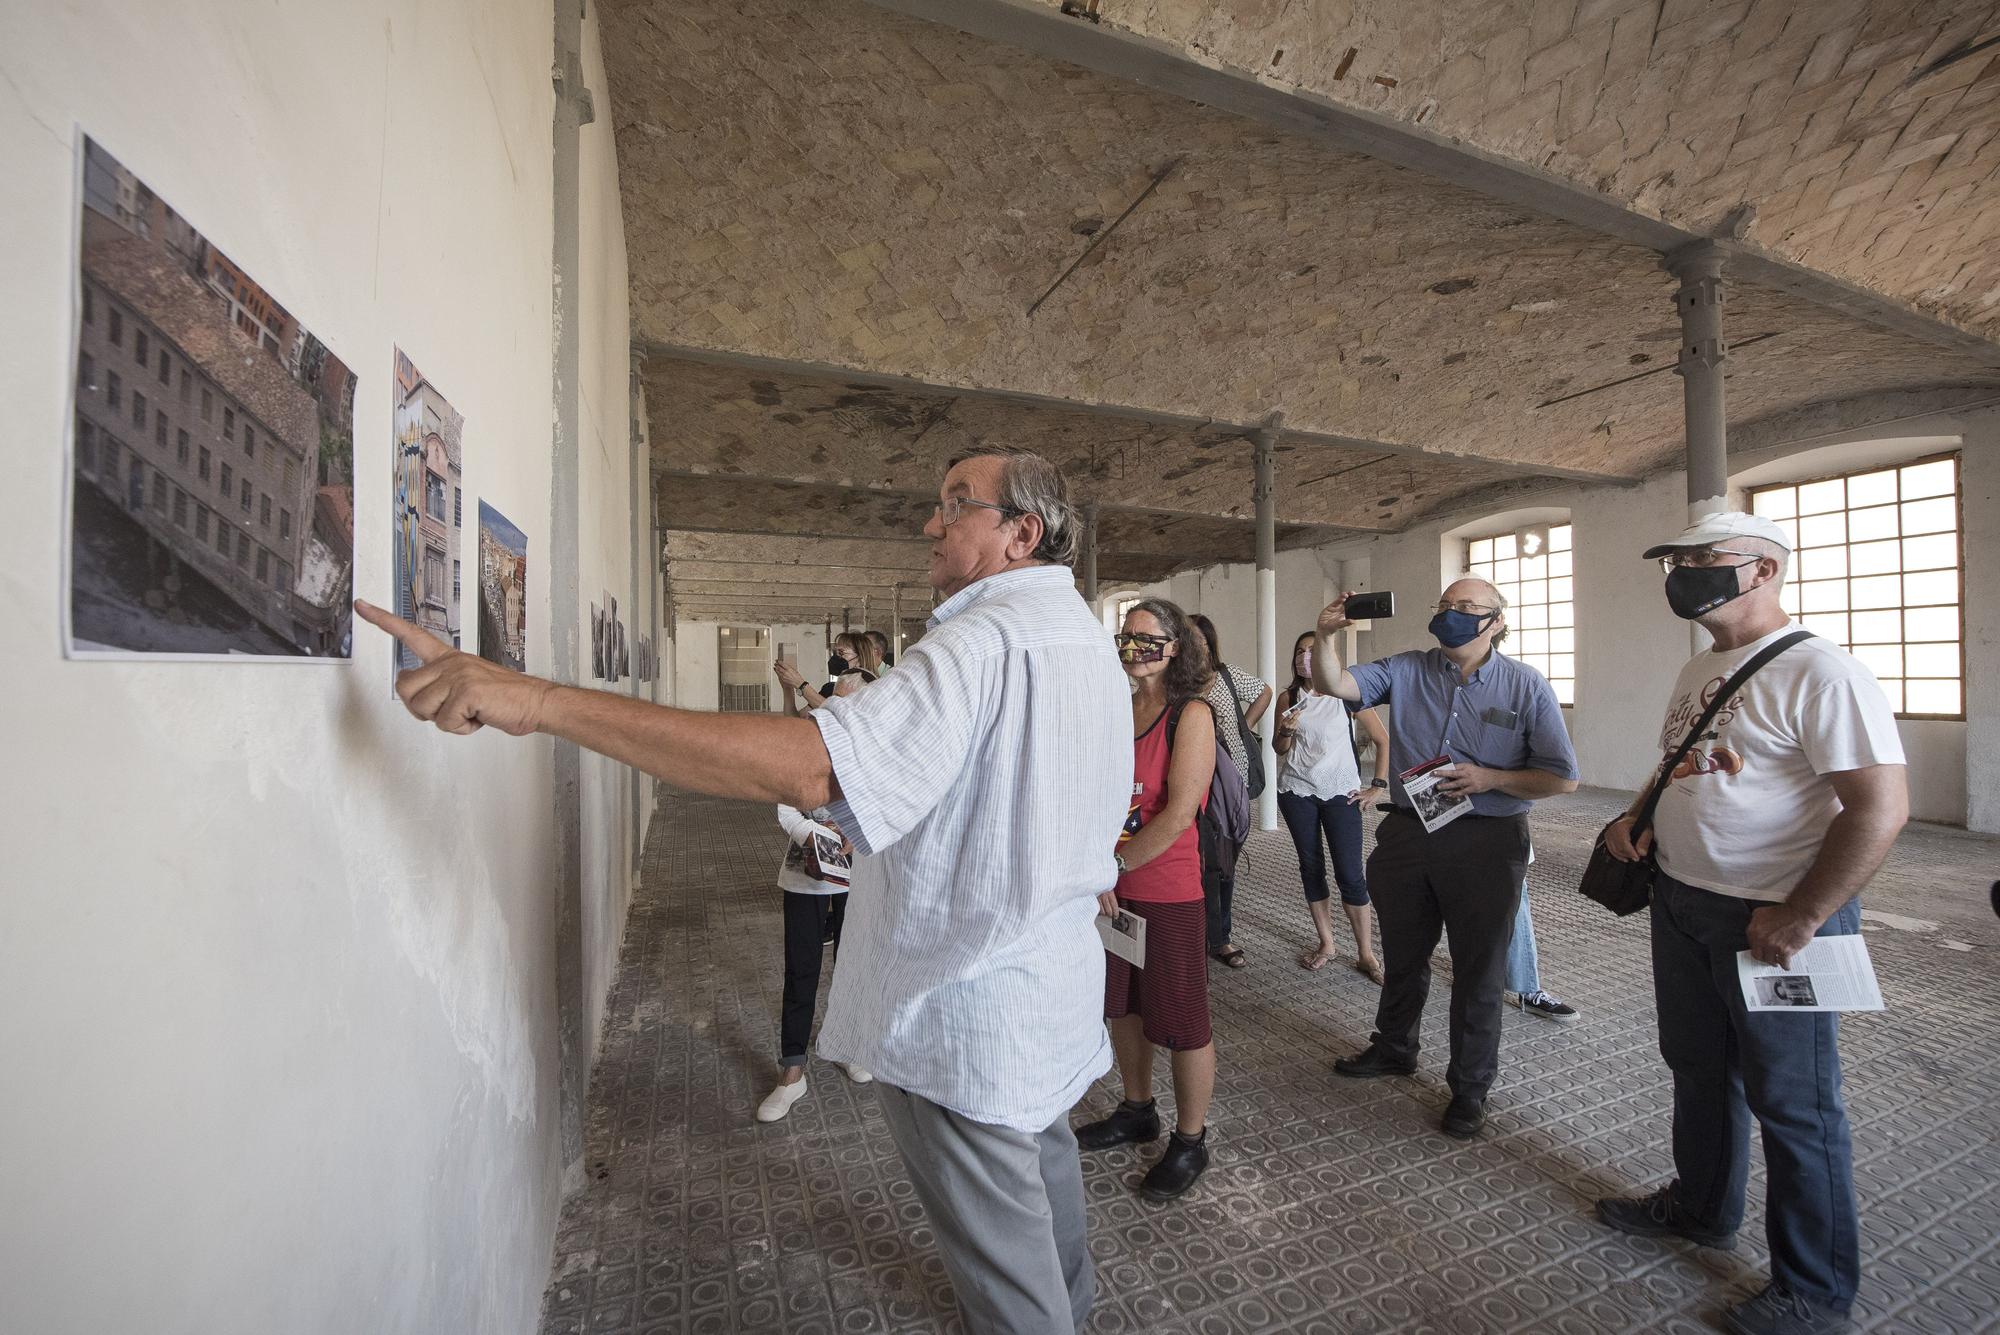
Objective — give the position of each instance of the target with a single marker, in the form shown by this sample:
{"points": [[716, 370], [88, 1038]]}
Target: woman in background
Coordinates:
{"points": [[1165, 1004], [1232, 691], [843, 656], [814, 877], [1320, 793]]}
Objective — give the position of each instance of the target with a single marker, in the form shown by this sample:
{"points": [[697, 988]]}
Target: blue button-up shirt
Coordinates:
{"points": [[1505, 717]]}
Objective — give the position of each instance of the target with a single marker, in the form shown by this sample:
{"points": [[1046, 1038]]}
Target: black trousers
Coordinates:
{"points": [[809, 920], [1463, 881]]}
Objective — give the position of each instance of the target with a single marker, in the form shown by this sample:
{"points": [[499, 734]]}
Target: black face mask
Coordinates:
{"points": [[837, 665], [1694, 591]]}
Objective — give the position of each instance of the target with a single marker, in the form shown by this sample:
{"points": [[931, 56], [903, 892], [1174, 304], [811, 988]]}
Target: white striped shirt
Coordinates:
{"points": [[984, 783]]}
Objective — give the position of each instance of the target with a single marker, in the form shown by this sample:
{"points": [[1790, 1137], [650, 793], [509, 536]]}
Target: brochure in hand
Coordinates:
{"points": [[1434, 807]]}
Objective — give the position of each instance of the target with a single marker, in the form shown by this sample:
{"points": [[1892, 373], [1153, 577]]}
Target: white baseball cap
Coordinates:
{"points": [[1721, 527]]}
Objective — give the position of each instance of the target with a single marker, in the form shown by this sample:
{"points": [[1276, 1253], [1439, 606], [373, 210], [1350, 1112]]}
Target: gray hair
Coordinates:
{"points": [[1032, 485]]}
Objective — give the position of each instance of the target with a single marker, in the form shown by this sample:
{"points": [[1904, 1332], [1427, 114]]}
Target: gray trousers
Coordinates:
{"points": [[1007, 1209]]}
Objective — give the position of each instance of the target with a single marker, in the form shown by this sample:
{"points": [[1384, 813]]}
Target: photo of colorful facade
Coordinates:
{"points": [[429, 507]]}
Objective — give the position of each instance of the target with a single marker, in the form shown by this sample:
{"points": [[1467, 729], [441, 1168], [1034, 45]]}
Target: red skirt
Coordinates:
{"points": [[1171, 993]]}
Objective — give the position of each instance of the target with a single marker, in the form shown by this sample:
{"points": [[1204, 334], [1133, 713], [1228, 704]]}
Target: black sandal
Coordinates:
{"points": [[1232, 956]]}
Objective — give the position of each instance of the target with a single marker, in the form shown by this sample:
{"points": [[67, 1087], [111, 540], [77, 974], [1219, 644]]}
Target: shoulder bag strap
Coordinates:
{"points": [[1729, 689]]}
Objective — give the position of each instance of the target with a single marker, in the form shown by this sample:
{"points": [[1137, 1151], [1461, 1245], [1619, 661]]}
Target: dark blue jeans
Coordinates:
{"points": [[1340, 820], [1730, 1064]]}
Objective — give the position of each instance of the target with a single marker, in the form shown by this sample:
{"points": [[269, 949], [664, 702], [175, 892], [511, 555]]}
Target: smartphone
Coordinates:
{"points": [[1370, 606]]}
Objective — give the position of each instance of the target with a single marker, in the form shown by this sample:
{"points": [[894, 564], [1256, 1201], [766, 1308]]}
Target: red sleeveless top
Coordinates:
{"points": [[1174, 877]]}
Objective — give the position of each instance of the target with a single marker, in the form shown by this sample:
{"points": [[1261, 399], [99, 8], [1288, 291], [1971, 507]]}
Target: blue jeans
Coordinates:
{"points": [[1340, 820], [1728, 1065], [1524, 973]]}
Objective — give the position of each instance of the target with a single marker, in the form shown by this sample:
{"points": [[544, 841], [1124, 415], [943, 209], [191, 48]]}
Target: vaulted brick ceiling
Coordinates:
{"points": [[839, 218]]}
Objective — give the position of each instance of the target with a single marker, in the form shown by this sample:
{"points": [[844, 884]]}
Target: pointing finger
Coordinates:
{"points": [[427, 647]]}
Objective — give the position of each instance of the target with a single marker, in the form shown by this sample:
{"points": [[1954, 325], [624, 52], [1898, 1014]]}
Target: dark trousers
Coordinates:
{"points": [[1218, 881], [1730, 1064], [1464, 881], [809, 920], [1340, 821]]}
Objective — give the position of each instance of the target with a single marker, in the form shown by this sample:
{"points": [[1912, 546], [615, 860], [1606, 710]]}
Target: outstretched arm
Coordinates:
{"points": [[1329, 677], [761, 757]]}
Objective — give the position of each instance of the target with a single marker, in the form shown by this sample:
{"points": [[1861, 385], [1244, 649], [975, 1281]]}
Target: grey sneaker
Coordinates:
{"points": [[1779, 1311], [1545, 1004]]}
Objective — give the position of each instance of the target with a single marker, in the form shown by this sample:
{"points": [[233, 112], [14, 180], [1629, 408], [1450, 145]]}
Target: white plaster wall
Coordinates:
{"points": [[280, 962], [604, 541], [696, 664], [1979, 484]]}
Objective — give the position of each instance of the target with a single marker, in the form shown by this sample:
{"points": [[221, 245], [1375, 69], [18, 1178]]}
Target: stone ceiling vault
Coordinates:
{"points": [[839, 217]]}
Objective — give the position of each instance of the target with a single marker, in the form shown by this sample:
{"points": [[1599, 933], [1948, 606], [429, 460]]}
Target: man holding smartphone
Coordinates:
{"points": [[1497, 726]]}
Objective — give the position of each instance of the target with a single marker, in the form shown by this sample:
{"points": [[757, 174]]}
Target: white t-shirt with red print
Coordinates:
{"points": [[1750, 803]]}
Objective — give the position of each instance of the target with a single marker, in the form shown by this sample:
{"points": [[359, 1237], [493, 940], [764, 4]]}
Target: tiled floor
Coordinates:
{"points": [[1333, 1205]]}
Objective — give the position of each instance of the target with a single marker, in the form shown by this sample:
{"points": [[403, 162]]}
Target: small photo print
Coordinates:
{"points": [[596, 642], [429, 504], [503, 590], [211, 508], [1785, 989]]}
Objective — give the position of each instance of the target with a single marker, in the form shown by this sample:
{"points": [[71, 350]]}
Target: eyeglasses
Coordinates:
{"points": [[1702, 558], [948, 510], [1465, 605], [1131, 638]]}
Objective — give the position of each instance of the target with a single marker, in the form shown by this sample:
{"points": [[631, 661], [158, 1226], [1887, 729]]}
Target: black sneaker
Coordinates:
{"points": [[1463, 1118], [1129, 1124], [1545, 1004], [1177, 1170], [1657, 1216], [1371, 1061], [1779, 1311]]}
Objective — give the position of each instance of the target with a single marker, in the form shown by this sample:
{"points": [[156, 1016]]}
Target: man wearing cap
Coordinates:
{"points": [[1781, 813]]}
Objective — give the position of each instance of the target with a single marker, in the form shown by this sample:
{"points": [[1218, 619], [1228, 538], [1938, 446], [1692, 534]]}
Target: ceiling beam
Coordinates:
{"points": [[1119, 412], [1166, 68]]}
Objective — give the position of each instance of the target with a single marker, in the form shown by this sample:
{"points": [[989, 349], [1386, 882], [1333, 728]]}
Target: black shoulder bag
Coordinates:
{"points": [[1627, 887]]}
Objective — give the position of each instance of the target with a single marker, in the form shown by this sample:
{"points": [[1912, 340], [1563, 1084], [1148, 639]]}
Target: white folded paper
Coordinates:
{"points": [[1832, 973], [1124, 936]]}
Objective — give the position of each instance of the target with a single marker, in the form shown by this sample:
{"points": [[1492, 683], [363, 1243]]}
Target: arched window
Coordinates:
{"points": [[1875, 568]]}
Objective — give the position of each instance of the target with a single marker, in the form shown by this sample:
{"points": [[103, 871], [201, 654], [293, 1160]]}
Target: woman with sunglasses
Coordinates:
{"points": [[1165, 1004], [1320, 793]]}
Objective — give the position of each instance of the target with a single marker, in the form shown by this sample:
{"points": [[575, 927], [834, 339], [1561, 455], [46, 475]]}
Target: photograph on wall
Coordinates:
{"points": [[503, 590], [596, 642], [428, 502], [614, 640], [212, 448]]}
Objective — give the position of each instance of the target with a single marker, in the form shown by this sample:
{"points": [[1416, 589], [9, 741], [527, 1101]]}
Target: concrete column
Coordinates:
{"points": [[1265, 438], [573, 111], [1703, 354], [1090, 555], [640, 482], [1979, 595], [896, 622]]}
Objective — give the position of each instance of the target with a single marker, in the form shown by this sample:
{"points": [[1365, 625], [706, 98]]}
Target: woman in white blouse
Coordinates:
{"points": [[1320, 792]]}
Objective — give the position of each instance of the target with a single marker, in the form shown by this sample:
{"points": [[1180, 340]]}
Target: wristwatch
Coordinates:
{"points": [[1378, 783], [1119, 858]]}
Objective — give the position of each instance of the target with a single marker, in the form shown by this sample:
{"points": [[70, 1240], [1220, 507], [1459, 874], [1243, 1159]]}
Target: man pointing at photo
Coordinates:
{"points": [[983, 783]]}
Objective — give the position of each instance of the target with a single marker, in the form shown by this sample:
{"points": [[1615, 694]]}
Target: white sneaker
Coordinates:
{"points": [[857, 1074], [778, 1103]]}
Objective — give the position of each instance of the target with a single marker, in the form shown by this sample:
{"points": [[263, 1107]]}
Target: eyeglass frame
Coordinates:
{"points": [[1467, 606], [1141, 637], [1674, 560], [958, 503]]}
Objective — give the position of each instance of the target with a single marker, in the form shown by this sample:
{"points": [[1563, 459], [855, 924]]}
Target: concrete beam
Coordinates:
{"points": [[1166, 68], [1110, 411]]}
